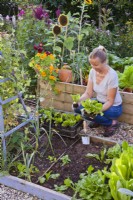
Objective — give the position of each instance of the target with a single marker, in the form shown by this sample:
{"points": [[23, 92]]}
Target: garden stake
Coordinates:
{"points": [[85, 126]]}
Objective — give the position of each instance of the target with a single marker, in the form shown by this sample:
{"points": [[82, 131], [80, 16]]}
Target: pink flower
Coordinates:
{"points": [[7, 18], [21, 13]]}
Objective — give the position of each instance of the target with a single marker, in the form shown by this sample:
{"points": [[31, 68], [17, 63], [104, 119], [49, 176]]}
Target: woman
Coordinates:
{"points": [[103, 80]]}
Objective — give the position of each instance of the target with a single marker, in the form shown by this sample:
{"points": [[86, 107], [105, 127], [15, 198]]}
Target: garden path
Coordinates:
{"points": [[7, 193]]}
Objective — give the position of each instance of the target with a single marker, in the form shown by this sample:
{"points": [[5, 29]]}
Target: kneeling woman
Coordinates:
{"points": [[103, 80]]}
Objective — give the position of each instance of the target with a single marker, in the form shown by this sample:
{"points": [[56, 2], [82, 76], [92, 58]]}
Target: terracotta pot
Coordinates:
{"points": [[127, 90], [65, 74]]}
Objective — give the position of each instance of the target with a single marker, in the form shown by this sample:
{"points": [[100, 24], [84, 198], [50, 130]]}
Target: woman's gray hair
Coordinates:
{"points": [[99, 52]]}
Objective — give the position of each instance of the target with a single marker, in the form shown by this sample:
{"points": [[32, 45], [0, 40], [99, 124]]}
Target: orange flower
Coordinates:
{"points": [[43, 56], [43, 74], [51, 68], [52, 78]]}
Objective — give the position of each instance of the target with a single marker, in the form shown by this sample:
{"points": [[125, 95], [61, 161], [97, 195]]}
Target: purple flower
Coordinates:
{"points": [[58, 12], [21, 13], [39, 13]]}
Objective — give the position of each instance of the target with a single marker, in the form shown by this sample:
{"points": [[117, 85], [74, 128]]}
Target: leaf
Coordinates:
{"points": [[90, 155], [60, 188], [57, 48], [42, 180], [68, 43], [80, 37], [54, 176], [68, 182]]}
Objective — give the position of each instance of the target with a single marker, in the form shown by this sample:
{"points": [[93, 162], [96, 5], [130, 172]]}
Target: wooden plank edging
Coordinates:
{"points": [[31, 188], [96, 139]]}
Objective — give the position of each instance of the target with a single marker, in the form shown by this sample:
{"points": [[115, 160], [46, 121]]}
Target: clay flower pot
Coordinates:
{"points": [[126, 89], [65, 74]]}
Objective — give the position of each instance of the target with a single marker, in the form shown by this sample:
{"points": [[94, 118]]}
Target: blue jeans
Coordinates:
{"points": [[106, 120]]}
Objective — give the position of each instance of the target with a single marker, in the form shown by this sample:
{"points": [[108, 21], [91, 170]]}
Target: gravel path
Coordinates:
{"points": [[7, 193], [124, 132]]}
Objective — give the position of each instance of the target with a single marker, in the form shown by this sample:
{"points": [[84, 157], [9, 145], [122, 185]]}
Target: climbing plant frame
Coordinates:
{"points": [[3, 134]]}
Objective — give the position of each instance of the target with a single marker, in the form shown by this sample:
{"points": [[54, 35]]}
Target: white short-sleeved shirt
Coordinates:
{"points": [[109, 81]]}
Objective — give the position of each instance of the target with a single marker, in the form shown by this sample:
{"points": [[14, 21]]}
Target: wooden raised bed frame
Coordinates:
{"points": [[63, 101]]}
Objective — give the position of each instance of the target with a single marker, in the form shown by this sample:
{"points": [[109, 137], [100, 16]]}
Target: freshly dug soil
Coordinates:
{"points": [[78, 164]]}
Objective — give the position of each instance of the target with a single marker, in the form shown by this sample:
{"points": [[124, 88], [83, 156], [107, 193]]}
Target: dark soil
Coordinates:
{"points": [[77, 154]]}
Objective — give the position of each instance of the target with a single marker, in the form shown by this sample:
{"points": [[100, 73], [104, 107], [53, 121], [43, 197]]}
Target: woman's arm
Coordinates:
{"points": [[110, 99], [88, 92]]}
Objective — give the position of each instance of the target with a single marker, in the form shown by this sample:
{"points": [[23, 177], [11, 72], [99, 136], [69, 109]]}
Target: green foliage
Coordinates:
{"points": [[14, 144], [25, 172], [100, 157], [114, 152], [91, 186], [120, 175], [126, 79], [48, 175], [52, 159], [92, 106], [11, 66], [27, 168], [119, 63], [64, 119], [75, 97], [65, 160]]}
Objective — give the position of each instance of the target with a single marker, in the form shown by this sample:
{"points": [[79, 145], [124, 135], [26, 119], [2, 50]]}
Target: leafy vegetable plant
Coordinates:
{"points": [[60, 118], [91, 186], [75, 98], [92, 106], [120, 175], [65, 160], [126, 79]]}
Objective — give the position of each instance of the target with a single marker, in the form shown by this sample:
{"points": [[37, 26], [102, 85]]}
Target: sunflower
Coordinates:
{"points": [[88, 1], [63, 20], [56, 30]]}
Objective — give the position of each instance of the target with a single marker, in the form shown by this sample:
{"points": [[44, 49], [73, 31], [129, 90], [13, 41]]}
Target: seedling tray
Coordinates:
{"points": [[71, 131]]}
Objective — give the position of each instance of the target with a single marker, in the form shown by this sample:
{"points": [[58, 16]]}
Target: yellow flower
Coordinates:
{"points": [[52, 78], [38, 66], [38, 54], [43, 56], [88, 1], [51, 56], [43, 74]]}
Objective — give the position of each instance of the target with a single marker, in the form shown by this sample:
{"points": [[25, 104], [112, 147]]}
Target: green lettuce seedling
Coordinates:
{"points": [[75, 98], [92, 106]]}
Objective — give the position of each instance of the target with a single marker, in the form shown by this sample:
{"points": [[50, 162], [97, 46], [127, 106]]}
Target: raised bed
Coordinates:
{"points": [[63, 101], [41, 191]]}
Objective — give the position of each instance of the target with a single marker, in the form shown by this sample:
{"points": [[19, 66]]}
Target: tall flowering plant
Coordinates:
{"points": [[44, 64]]}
